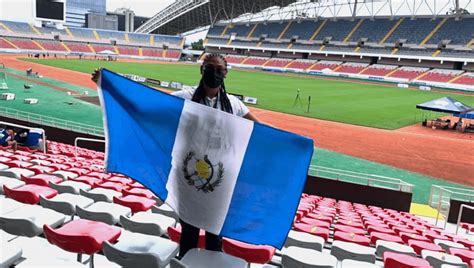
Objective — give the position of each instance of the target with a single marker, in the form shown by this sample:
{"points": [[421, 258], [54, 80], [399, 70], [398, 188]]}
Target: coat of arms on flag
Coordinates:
{"points": [[202, 173]]}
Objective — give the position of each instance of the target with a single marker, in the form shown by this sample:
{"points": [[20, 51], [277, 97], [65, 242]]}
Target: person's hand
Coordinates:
{"points": [[96, 75]]}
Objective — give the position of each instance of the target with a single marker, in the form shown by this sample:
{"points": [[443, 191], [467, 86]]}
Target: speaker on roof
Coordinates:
{"points": [[443, 44], [165, 47], [294, 38], [113, 42], [263, 37]]}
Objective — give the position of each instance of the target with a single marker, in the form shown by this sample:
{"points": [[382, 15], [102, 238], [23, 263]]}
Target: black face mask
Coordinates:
{"points": [[212, 77]]}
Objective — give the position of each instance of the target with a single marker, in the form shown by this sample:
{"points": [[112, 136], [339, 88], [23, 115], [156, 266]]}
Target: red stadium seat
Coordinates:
{"points": [[466, 255], [374, 236], [250, 253], [174, 234], [352, 223], [418, 246], [315, 222], [135, 203], [348, 229], [433, 235], [380, 229], [402, 229], [99, 175], [37, 169], [78, 171], [138, 191], [320, 217], [399, 260], [121, 180], [351, 237], [82, 236], [407, 236], [311, 229], [18, 164], [112, 185], [42, 179], [29, 193], [87, 180]]}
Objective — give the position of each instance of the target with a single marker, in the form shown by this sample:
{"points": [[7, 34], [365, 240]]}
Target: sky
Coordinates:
{"points": [[145, 8]]}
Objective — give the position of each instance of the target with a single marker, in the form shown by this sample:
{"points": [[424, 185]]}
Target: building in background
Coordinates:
{"points": [[127, 20], [76, 11]]}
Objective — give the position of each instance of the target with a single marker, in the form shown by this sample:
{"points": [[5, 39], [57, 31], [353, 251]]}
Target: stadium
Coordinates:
{"points": [[384, 89]]}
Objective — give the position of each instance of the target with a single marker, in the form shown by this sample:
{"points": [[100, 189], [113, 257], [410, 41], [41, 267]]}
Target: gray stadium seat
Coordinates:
{"points": [[65, 175], [11, 183], [104, 212], [346, 250], [72, 187], [16, 173], [446, 244], [304, 240], [28, 220], [201, 258], [101, 194], [3, 167], [66, 203], [384, 246], [7, 205], [437, 259], [358, 264], [140, 250], [40, 162], [165, 210], [148, 223], [9, 254], [294, 257]]}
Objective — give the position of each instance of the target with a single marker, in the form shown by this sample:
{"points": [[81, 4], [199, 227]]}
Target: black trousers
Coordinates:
{"points": [[190, 238]]}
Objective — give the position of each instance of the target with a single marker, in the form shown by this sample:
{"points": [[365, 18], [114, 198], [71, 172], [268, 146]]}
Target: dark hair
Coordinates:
{"points": [[200, 93]]}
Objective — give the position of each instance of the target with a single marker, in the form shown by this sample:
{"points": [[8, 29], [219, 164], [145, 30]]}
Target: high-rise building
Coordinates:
{"points": [[76, 11]]}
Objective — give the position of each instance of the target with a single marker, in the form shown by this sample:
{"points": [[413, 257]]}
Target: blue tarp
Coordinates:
{"points": [[469, 115]]}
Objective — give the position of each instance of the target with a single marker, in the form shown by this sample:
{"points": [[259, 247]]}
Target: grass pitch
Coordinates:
{"points": [[351, 102]]}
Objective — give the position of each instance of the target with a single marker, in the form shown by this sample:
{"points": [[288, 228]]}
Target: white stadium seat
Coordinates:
{"points": [[16, 173], [101, 194], [437, 259], [201, 258], [104, 212], [72, 187], [9, 254], [308, 258], [304, 240], [346, 250], [66, 203], [11, 183], [384, 246], [148, 223]]}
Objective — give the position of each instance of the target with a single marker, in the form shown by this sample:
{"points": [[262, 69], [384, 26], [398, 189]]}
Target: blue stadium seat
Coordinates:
{"points": [[272, 29], [303, 29], [458, 31], [413, 30], [82, 33], [139, 38], [374, 30], [338, 30], [241, 30], [111, 35], [216, 30], [18, 27]]}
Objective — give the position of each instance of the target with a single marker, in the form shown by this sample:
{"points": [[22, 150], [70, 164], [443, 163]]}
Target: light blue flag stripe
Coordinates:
{"points": [[141, 126], [269, 187]]}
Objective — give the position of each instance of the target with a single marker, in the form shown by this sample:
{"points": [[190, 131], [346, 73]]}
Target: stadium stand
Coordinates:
{"points": [[379, 70], [220, 41], [273, 45], [440, 75], [234, 59], [257, 61], [277, 62], [349, 67], [337, 30], [408, 72], [462, 28], [139, 38], [80, 33], [271, 29], [23, 43], [303, 29], [18, 27], [240, 30], [152, 52], [321, 65], [128, 50], [78, 47], [216, 30], [301, 64], [51, 45], [374, 30], [102, 47], [5, 44], [108, 35], [413, 30], [465, 79]]}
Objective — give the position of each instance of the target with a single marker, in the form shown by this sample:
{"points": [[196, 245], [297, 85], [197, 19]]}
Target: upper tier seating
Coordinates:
{"points": [[271, 29], [82, 33], [303, 29], [18, 27], [216, 30], [373, 30], [139, 38], [413, 30], [240, 30], [107, 35], [458, 31], [338, 30]]}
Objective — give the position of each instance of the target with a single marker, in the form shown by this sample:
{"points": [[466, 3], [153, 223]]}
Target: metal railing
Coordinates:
{"points": [[460, 215], [51, 121], [43, 135], [440, 199], [361, 178]]}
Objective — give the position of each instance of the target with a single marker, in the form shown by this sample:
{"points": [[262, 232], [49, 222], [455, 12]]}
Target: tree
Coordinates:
{"points": [[197, 45]]}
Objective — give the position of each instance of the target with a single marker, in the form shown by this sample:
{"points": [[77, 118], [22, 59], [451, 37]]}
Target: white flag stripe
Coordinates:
{"points": [[209, 147]]}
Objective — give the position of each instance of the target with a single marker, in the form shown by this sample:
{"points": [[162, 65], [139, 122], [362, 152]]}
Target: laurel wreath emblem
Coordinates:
{"points": [[192, 177]]}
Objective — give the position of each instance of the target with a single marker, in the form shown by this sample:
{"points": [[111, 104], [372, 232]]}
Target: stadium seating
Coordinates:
{"points": [[5, 44], [24, 43], [374, 30], [215, 30], [234, 59], [173, 54], [461, 28], [321, 65], [100, 47], [149, 52], [337, 30], [258, 61], [301, 64], [240, 30], [18, 27], [439, 75], [275, 62], [409, 73], [139, 38], [353, 68], [303, 29], [82, 33], [78, 47], [110, 35], [51, 45], [271, 29], [128, 50], [379, 70], [413, 30]]}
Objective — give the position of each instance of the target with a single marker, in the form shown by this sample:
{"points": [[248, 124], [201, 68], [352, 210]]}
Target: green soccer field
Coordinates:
{"points": [[351, 102]]}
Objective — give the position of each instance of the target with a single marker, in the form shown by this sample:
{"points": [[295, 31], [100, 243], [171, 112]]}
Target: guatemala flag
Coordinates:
{"points": [[219, 172]]}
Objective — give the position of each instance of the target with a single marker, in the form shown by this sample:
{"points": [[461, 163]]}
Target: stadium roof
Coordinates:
{"points": [[186, 15]]}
